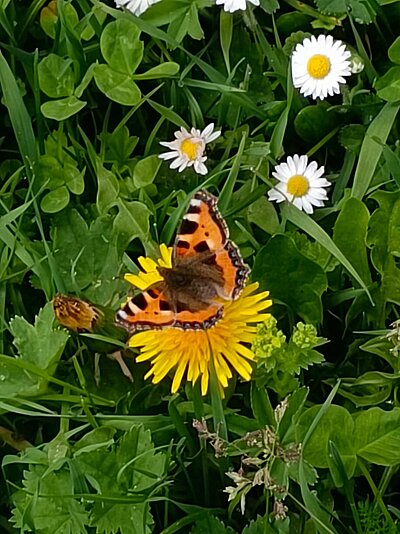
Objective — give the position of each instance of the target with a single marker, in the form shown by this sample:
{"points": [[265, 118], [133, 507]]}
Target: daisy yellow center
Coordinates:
{"points": [[318, 66], [297, 185], [189, 148]]}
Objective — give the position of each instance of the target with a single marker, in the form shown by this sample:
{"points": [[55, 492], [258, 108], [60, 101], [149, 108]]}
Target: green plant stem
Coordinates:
{"points": [[377, 495]]}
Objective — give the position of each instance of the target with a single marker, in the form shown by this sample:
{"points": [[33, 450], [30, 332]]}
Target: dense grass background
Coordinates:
{"points": [[88, 91]]}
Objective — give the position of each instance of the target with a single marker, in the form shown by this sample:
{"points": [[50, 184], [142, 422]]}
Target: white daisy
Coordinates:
{"points": [[318, 66], [137, 7], [233, 5], [300, 182], [188, 148]]}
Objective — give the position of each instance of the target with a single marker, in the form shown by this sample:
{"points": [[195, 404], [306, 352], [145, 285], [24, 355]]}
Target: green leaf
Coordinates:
{"points": [[87, 257], [39, 343], [384, 240], [146, 170], [394, 51], [263, 214], [360, 10], [350, 235], [132, 222], [371, 150], [74, 179], [117, 86], [313, 123], [133, 466], [56, 77], [336, 425], [59, 110], [54, 514], [225, 36], [209, 524], [305, 281], [165, 70], [377, 436], [121, 46], [302, 221], [388, 86], [270, 6], [56, 200]]}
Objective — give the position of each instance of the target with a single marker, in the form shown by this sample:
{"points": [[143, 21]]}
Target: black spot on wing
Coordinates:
{"points": [[194, 209], [140, 301], [201, 247], [153, 294], [188, 227], [164, 305], [183, 244]]}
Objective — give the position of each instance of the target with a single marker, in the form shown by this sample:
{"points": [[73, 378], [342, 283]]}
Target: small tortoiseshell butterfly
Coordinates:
{"points": [[206, 270]]}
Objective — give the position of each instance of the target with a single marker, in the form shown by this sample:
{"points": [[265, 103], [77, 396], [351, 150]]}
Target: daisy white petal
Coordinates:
{"points": [[303, 187], [188, 148], [234, 5], [137, 7], [319, 66]]}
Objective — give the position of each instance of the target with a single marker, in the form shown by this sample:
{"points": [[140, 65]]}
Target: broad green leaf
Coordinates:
{"points": [[270, 6], [39, 343], [165, 70], [56, 513], [384, 240], [262, 213], [336, 425], [350, 235], [388, 86], [305, 281], [117, 86], [132, 222], [74, 179], [394, 51], [307, 224], [377, 436], [87, 257], [209, 524], [360, 10], [17, 382], [313, 123], [56, 77], [59, 110], [107, 187], [121, 46], [371, 150], [56, 200], [146, 170]]}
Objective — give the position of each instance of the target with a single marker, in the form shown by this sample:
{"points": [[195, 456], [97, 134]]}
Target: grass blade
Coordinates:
{"points": [[371, 150], [19, 115]]}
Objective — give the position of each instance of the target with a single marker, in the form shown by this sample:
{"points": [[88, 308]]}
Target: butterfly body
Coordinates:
{"points": [[206, 270]]}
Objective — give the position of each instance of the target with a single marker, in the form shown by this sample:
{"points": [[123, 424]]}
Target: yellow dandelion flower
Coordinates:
{"points": [[225, 346]]}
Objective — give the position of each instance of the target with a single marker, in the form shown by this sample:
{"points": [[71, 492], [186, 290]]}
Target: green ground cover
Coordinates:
{"points": [[283, 417]]}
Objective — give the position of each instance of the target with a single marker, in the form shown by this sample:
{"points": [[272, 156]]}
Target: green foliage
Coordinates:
{"points": [[115, 475], [39, 345], [311, 443]]}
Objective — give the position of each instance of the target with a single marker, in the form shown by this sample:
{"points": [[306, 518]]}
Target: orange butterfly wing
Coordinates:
{"points": [[204, 230]]}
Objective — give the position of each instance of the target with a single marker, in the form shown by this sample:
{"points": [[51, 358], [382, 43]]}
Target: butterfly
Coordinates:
{"points": [[207, 270]]}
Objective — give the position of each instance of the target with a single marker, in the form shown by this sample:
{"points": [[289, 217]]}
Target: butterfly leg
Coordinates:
{"points": [[117, 356]]}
